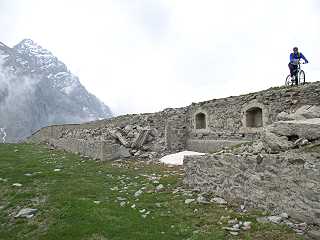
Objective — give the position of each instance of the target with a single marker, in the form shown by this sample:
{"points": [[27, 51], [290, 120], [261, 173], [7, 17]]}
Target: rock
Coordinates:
{"points": [[308, 111], [118, 135], [26, 213], [301, 142], [138, 153], [124, 152], [314, 234], [218, 200], [284, 215], [122, 204], [188, 201], [246, 225], [262, 220], [236, 226], [233, 221], [274, 142], [121, 199], [231, 229], [17, 185], [97, 202], [308, 128], [304, 112], [57, 170], [127, 129], [257, 147], [275, 219], [138, 193], [159, 187], [202, 199], [140, 138], [259, 159]]}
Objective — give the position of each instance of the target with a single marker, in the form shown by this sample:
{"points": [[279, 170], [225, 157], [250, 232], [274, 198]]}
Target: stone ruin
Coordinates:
{"points": [[253, 142]]}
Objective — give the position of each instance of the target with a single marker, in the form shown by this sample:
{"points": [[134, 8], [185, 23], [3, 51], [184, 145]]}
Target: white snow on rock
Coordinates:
{"points": [[177, 158]]}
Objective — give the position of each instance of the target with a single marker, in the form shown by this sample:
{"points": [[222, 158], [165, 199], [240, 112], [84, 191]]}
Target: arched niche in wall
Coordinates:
{"points": [[254, 117], [200, 120]]}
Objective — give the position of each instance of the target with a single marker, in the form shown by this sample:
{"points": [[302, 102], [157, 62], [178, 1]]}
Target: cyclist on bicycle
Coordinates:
{"points": [[295, 57]]}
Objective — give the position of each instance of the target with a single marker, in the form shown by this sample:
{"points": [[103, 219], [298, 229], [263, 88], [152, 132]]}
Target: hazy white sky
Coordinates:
{"points": [[147, 55]]}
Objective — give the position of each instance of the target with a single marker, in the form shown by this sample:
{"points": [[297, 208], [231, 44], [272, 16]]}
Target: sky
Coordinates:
{"points": [[147, 55]]}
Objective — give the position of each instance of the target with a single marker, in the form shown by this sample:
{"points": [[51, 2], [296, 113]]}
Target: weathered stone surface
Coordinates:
{"points": [[313, 234], [117, 134], [280, 182], [141, 138], [275, 143], [304, 112], [26, 213], [124, 152], [211, 145], [308, 128]]}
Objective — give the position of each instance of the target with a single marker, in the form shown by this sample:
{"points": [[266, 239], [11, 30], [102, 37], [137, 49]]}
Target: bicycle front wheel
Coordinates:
{"points": [[302, 77], [288, 80]]}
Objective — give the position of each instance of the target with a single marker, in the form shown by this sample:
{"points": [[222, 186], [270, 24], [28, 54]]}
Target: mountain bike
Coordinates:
{"points": [[298, 78]]}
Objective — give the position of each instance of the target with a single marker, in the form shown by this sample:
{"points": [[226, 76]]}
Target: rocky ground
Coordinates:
{"points": [[50, 194]]}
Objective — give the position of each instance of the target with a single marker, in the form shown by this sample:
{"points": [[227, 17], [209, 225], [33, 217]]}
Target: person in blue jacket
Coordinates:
{"points": [[295, 57]]}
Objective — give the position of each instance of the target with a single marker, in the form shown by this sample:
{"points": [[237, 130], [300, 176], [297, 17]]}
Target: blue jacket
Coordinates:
{"points": [[294, 57]]}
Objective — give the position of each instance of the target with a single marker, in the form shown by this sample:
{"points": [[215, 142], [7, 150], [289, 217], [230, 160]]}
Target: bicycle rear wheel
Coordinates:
{"points": [[288, 80], [302, 77]]}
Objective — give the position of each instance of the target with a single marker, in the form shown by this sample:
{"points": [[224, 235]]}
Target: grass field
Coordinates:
{"points": [[79, 198]]}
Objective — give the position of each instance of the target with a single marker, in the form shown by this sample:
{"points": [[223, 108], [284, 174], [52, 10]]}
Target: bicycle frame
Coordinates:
{"points": [[296, 77]]}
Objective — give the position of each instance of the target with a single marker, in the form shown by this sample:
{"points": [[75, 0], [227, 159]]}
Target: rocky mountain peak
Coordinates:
{"points": [[36, 84]]}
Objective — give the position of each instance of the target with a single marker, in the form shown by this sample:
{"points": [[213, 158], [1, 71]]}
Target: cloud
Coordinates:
{"points": [[145, 55]]}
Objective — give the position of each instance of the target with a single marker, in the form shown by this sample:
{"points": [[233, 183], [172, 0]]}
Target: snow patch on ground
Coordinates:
{"points": [[177, 158]]}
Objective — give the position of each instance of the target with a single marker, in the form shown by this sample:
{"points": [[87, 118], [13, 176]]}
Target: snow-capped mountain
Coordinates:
{"points": [[37, 90]]}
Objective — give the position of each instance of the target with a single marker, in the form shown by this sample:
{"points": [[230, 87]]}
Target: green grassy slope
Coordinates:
{"points": [[83, 201]]}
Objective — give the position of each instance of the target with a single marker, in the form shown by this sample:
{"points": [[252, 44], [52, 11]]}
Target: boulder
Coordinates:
{"points": [[275, 143], [308, 128], [304, 112]]}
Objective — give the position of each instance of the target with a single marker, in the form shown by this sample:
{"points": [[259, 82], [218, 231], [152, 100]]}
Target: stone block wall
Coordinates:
{"points": [[234, 118], [176, 132], [210, 146], [97, 139], [215, 121], [278, 182]]}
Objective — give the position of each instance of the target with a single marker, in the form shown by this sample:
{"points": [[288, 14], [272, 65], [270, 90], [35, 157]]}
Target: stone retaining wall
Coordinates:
{"points": [[279, 182], [100, 139], [210, 146], [235, 117], [94, 149]]}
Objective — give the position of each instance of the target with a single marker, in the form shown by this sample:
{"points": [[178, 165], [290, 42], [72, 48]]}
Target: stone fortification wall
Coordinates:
{"points": [[205, 126], [138, 135], [241, 118], [279, 182]]}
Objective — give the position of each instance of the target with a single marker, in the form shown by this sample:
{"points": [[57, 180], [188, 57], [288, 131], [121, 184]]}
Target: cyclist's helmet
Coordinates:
{"points": [[295, 49]]}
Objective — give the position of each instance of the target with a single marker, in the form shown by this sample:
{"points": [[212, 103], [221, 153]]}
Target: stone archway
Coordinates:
{"points": [[254, 117], [200, 120]]}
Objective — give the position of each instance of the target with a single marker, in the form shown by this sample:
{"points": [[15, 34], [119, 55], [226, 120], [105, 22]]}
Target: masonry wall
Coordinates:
{"points": [[277, 182], [93, 139], [227, 118]]}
